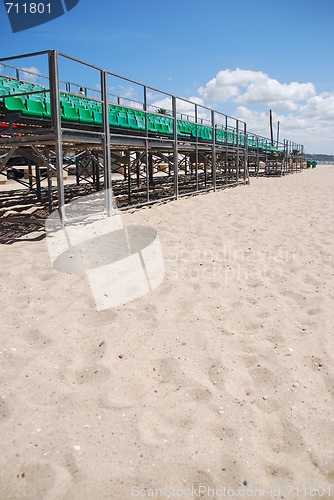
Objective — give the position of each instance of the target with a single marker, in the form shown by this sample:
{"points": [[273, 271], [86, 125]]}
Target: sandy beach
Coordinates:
{"points": [[221, 377]]}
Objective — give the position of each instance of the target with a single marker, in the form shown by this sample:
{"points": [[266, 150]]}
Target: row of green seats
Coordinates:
{"points": [[155, 124], [85, 110], [81, 109]]}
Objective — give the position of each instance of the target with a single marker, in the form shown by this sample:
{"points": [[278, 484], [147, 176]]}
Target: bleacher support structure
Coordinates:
{"points": [[136, 153]]}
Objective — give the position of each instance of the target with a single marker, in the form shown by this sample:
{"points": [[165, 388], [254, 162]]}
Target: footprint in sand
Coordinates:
{"points": [[36, 338], [4, 411], [92, 374], [36, 480], [47, 276]]}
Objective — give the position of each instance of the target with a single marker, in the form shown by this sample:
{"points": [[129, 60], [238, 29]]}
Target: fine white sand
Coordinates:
{"points": [[221, 375]]}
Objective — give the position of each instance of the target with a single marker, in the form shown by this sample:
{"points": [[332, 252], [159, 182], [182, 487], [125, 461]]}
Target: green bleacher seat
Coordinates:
{"points": [[165, 129], [69, 113], [97, 117], [122, 120], [206, 134], [6, 89], [85, 116], [113, 122], [13, 105], [47, 107], [132, 122], [152, 127], [183, 131], [219, 136], [35, 97], [141, 123], [33, 108]]}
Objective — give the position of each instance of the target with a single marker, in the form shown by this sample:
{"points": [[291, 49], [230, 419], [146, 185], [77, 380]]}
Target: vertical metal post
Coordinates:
{"points": [[150, 169], [106, 142], [213, 164], [129, 181], [146, 146], [246, 172], [97, 171], [257, 156], [93, 171], [226, 151], [56, 125], [30, 175], [175, 152], [277, 134], [137, 168], [237, 153], [50, 192], [77, 171], [196, 147], [38, 183]]}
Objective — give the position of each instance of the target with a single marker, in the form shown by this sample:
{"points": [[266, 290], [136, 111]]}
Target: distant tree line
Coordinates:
{"points": [[320, 157]]}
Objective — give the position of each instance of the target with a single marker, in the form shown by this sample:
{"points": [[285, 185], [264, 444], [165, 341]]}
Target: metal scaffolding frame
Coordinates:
{"points": [[137, 168]]}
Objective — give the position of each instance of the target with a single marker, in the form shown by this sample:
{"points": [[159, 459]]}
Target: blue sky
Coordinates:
{"points": [[241, 57]]}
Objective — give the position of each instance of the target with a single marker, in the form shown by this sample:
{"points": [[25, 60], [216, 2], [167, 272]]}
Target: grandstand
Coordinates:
{"points": [[145, 153]]}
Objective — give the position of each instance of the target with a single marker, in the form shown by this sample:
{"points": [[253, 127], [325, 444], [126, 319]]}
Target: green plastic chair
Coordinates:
{"points": [[132, 122], [33, 108], [113, 120], [122, 121], [85, 116], [47, 109], [97, 117], [140, 123], [69, 113], [13, 105]]}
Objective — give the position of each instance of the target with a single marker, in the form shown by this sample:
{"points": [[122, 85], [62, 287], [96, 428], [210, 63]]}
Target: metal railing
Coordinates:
{"points": [[235, 131]]}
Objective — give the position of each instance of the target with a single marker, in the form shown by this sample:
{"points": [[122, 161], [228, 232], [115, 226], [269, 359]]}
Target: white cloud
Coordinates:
{"points": [[319, 108], [255, 87], [183, 107], [164, 102], [257, 121], [128, 92], [303, 127], [29, 74], [304, 116]]}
